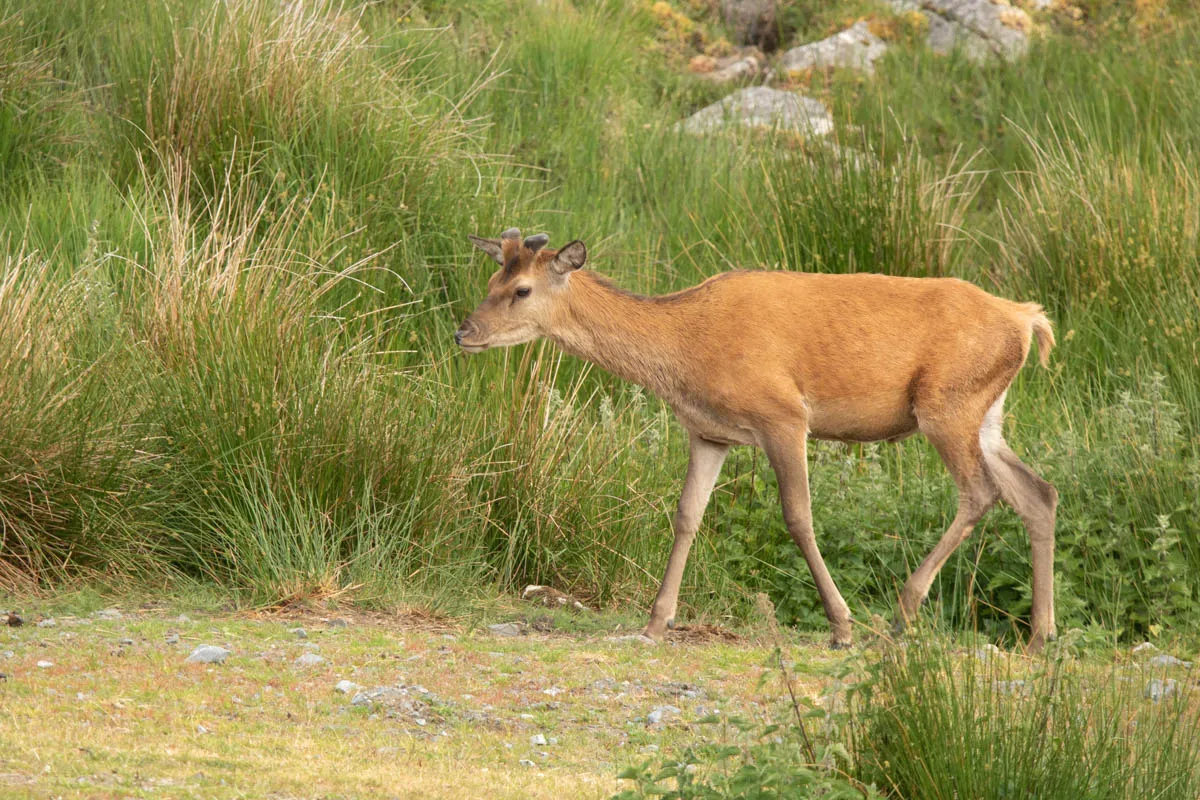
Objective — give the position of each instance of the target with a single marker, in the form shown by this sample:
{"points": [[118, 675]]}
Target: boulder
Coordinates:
{"points": [[752, 22], [981, 28], [854, 48], [762, 107]]}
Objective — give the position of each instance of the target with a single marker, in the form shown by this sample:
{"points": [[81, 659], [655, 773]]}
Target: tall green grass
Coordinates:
{"points": [[235, 256]]}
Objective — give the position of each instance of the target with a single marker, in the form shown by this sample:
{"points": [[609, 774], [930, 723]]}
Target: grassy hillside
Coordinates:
{"points": [[234, 253]]}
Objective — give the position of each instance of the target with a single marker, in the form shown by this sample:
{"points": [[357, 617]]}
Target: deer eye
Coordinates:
{"points": [[524, 291]]}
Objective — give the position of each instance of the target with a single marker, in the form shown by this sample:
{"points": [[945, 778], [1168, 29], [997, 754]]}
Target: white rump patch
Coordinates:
{"points": [[991, 432]]}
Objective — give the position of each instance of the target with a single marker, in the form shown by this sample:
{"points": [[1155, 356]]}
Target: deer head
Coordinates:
{"points": [[524, 295]]}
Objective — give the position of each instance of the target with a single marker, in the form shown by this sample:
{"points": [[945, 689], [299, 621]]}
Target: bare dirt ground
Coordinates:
{"points": [[105, 704]]}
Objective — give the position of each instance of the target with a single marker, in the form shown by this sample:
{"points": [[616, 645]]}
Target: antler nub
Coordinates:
{"points": [[537, 242], [511, 233]]}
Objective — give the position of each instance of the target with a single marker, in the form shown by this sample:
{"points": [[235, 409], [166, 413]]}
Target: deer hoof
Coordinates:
{"points": [[836, 645]]}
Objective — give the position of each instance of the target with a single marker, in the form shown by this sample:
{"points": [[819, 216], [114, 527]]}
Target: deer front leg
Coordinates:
{"points": [[787, 450], [704, 465]]}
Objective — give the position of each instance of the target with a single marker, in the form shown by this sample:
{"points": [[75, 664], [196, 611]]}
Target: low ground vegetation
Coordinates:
{"points": [[233, 255]]}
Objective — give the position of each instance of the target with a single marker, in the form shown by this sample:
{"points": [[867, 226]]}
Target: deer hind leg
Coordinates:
{"points": [[704, 465], [1036, 503], [957, 441], [788, 455]]}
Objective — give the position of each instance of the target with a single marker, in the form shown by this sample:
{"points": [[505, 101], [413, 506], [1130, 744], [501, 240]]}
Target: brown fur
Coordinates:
{"points": [[772, 358]]}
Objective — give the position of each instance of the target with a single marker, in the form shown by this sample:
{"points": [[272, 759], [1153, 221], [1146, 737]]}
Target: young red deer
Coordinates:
{"points": [[773, 358]]}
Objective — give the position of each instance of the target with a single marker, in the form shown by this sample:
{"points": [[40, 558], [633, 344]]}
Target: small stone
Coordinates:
{"points": [[299, 633], [109, 613], [345, 687], [13, 620], [421, 722], [49, 622], [553, 691], [183, 619], [525, 762], [986, 652], [311, 646], [309, 660], [649, 748], [1165, 660], [505, 629], [338, 622], [525, 716], [208, 654], [45, 664], [660, 714], [201, 729], [1157, 689], [1144, 647], [537, 740], [173, 638]]}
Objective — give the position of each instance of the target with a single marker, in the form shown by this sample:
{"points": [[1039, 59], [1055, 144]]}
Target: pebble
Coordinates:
{"points": [[125, 642], [525, 762], [208, 654], [1011, 687], [48, 664], [661, 713], [1165, 660], [1158, 689], [299, 633], [49, 622], [537, 740], [505, 629], [649, 748], [311, 646], [109, 613], [201, 729], [173, 638], [184, 618], [1144, 647], [310, 660], [338, 622], [345, 687]]}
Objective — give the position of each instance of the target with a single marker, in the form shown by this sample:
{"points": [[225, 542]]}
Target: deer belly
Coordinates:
{"points": [[863, 421]]}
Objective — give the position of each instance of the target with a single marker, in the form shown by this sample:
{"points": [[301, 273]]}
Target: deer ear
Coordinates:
{"points": [[489, 246], [569, 258]]}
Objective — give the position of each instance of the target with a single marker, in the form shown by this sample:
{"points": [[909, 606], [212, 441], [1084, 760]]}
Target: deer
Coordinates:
{"points": [[772, 358]]}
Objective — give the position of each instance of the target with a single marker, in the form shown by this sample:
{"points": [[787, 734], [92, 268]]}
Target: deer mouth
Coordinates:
{"points": [[472, 348]]}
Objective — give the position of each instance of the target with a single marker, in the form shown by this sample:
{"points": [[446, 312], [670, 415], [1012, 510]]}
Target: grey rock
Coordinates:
{"points": [[45, 664], [183, 618], [987, 652], [1165, 660], [981, 28], [8, 654], [208, 654], [661, 713], [1158, 689], [345, 687], [1144, 647], [109, 613], [338, 622], [49, 622], [752, 22], [173, 638], [200, 729], [649, 748], [743, 66], [311, 646], [309, 660], [525, 762], [125, 642], [505, 629], [537, 740], [1017, 687], [762, 107], [854, 48], [299, 633]]}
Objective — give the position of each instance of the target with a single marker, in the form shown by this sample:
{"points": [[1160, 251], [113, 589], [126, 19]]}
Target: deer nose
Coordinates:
{"points": [[458, 336], [463, 331]]}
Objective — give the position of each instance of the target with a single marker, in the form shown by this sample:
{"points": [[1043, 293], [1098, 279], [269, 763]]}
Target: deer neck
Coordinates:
{"points": [[633, 337]]}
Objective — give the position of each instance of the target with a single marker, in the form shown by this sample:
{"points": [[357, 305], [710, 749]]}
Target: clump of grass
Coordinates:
{"points": [[935, 725]]}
